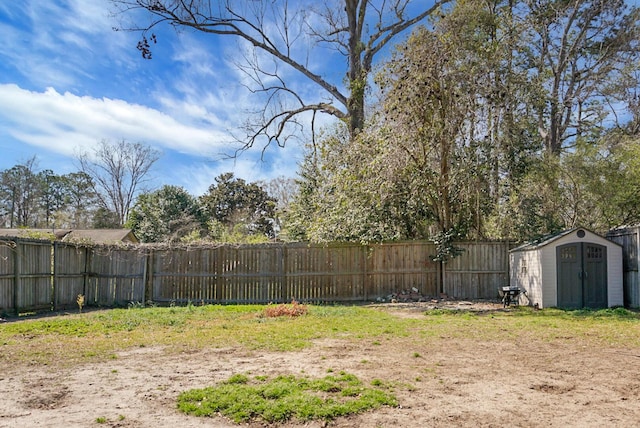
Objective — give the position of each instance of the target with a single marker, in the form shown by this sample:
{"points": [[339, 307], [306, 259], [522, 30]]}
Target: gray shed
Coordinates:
{"points": [[629, 238], [572, 269]]}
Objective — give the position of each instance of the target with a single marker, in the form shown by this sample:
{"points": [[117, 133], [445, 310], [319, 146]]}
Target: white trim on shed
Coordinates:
{"points": [[534, 267]]}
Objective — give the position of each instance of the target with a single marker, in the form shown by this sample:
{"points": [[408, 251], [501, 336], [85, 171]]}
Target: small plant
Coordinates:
{"points": [[101, 420], [284, 398], [80, 301], [294, 309]]}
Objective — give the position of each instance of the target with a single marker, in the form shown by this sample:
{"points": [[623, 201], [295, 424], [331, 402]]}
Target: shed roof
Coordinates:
{"points": [[548, 239], [101, 236], [98, 236]]}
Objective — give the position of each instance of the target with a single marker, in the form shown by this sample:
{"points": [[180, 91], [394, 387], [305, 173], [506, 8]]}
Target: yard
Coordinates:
{"points": [[448, 363]]}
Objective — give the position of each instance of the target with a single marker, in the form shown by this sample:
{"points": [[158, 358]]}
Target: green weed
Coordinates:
{"points": [[284, 398]]}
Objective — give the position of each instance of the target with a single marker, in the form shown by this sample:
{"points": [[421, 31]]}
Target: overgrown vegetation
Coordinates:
{"points": [[100, 335], [286, 397]]}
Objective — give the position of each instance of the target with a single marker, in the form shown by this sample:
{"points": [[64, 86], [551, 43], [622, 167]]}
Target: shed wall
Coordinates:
{"points": [[526, 274], [548, 266], [615, 291]]}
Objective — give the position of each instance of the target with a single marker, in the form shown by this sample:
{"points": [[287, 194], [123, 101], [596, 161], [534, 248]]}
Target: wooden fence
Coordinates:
{"points": [[629, 238], [36, 275]]}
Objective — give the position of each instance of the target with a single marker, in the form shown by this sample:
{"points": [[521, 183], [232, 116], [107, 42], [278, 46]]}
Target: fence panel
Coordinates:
{"points": [[33, 279], [7, 276], [629, 239], [109, 276], [225, 274], [402, 268], [478, 271], [116, 276], [70, 267], [181, 276], [324, 273]]}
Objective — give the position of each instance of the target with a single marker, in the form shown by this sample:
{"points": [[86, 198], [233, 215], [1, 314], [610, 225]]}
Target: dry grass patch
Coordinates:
{"points": [[294, 309]]}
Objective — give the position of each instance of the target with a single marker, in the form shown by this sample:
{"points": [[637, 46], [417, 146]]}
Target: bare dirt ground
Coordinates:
{"points": [[452, 383]]}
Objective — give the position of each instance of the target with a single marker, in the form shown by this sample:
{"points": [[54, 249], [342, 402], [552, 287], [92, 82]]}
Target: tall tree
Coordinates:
{"points": [[234, 202], [166, 215], [118, 170], [53, 197], [287, 32], [282, 190], [432, 94], [486, 37], [578, 51], [20, 192], [82, 199], [304, 204]]}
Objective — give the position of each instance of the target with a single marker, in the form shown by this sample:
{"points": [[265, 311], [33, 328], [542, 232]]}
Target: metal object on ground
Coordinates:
{"points": [[510, 295]]}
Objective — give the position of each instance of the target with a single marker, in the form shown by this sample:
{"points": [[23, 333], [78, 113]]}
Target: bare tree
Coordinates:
{"points": [[118, 170], [580, 50], [357, 29]]}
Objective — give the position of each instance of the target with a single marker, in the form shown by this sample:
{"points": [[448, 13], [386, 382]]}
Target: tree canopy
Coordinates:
{"points": [[288, 33], [504, 119], [168, 214], [232, 202]]}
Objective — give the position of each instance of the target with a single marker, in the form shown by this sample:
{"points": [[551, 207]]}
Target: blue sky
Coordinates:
{"points": [[67, 81]]}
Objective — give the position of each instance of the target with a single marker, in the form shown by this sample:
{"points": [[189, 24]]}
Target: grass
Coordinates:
{"points": [[68, 340], [100, 335], [282, 398]]}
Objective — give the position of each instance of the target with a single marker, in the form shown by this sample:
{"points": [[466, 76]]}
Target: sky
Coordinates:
{"points": [[69, 81]]}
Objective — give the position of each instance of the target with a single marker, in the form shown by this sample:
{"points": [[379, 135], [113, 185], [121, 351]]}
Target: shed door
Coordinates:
{"points": [[595, 275], [582, 275]]}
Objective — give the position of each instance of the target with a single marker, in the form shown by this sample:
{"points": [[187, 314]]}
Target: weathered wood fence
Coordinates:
{"points": [[37, 275], [629, 238]]}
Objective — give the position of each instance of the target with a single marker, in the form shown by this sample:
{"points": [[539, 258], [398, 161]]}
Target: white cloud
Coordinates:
{"points": [[66, 122], [59, 43]]}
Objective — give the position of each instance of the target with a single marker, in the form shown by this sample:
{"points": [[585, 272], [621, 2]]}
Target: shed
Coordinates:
{"points": [[572, 269], [102, 236], [629, 238], [96, 236]]}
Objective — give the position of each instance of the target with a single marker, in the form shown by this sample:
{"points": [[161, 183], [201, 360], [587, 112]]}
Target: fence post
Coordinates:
{"points": [[283, 271], [88, 250], [441, 266], [17, 268], [507, 261], [148, 276], [365, 282], [54, 273]]}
